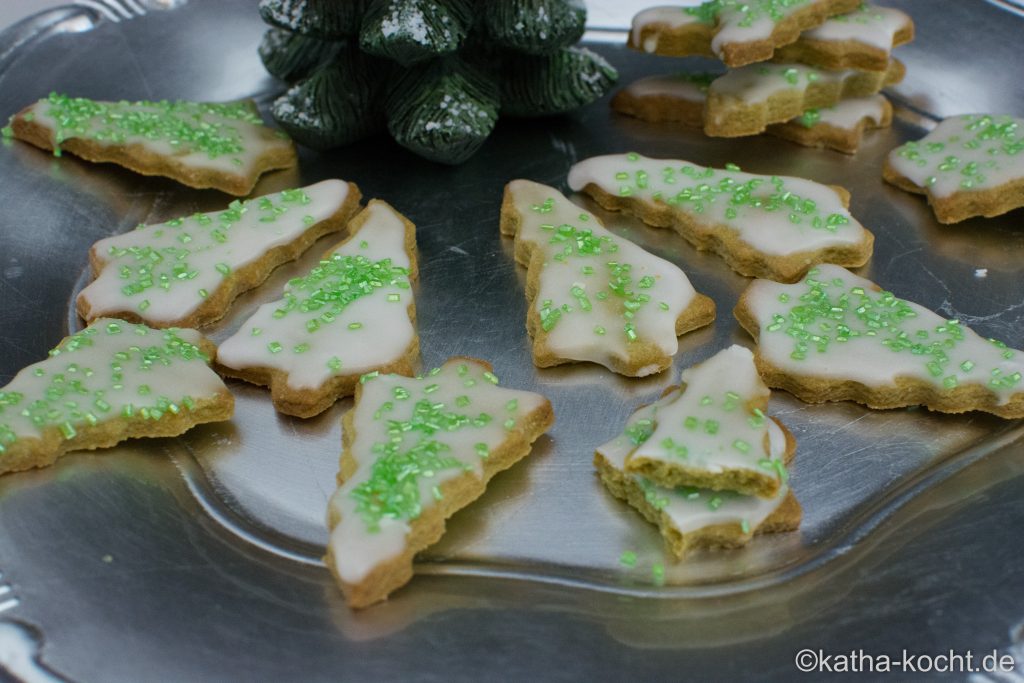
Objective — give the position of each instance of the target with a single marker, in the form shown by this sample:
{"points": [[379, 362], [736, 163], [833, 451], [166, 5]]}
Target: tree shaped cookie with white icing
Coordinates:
{"points": [[862, 39], [838, 337], [199, 144], [736, 31], [680, 98], [747, 100], [352, 314], [416, 450], [763, 226], [109, 382], [187, 271], [689, 517], [715, 434], [595, 296], [970, 165]]}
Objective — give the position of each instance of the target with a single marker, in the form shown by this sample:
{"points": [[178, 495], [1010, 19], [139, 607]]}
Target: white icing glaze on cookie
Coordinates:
{"points": [[691, 509], [411, 436], [348, 316], [227, 138], [846, 114], [109, 370], [164, 272], [755, 83], [667, 17], [681, 86], [693, 88], [964, 153], [598, 293], [737, 21], [871, 25], [834, 325], [714, 426], [776, 215]]}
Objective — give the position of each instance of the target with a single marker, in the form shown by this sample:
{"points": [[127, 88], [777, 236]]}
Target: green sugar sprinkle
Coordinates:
{"points": [[640, 431], [186, 126], [743, 12], [393, 487], [707, 187], [627, 558], [829, 313], [658, 573], [571, 242], [331, 286], [145, 269], [71, 395]]}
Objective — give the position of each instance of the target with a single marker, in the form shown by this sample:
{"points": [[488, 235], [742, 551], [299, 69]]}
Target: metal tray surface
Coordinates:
{"points": [[242, 503]]}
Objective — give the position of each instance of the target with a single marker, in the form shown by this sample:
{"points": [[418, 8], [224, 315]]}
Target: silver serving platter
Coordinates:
{"points": [[198, 558]]}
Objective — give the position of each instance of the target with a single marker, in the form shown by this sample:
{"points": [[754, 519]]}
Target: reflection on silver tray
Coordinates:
{"points": [[249, 519]]}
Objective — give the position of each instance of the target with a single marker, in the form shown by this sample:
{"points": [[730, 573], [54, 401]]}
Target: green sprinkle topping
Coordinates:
{"points": [[411, 453], [824, 314], [627, 558], [187, 126]]}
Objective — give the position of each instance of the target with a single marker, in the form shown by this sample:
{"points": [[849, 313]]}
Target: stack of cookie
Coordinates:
{"points": [[435, 73], [805, 70], [704, 462]]}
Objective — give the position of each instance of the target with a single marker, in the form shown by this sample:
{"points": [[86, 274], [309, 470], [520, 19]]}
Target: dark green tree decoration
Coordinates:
{"points": [[436, 73]]}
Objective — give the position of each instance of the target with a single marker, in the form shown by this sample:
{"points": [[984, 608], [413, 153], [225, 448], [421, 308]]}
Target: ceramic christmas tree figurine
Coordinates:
{"points": [[437, 73]]}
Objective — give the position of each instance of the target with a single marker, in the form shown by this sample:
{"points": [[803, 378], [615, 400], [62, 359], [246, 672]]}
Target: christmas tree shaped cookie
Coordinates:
{"points": [[187, 271], [969, 165], [745, 101], [736, 31], [415, 452], [202, 145], [862, 39], [689, 517], [680, 98], [352, 314], [835, 336], [763, 226], [595, 296], [109, 382]]}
